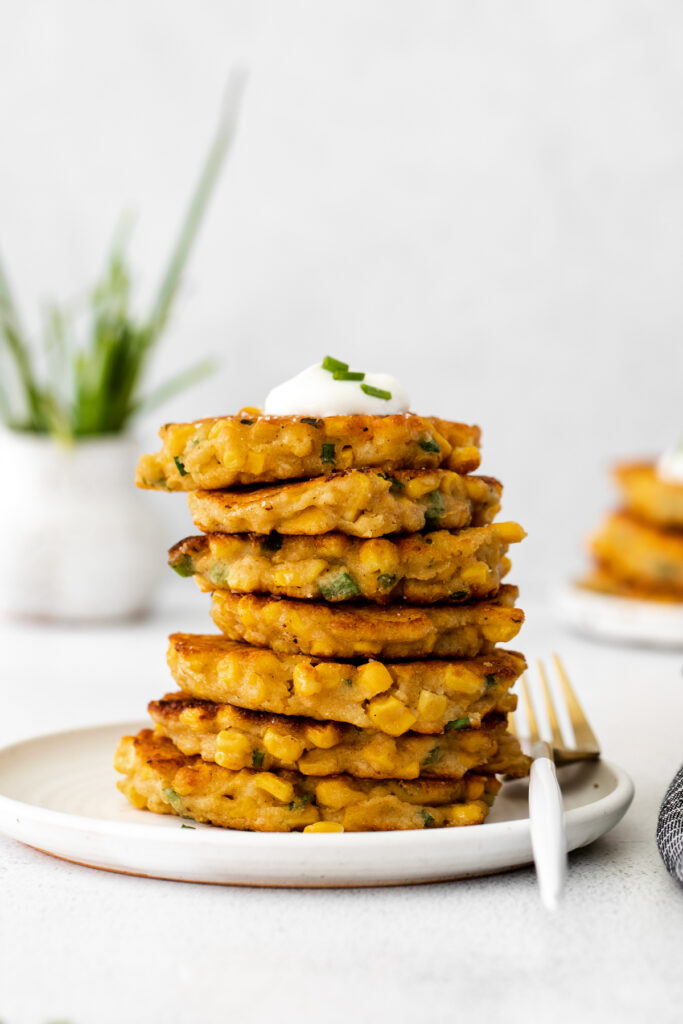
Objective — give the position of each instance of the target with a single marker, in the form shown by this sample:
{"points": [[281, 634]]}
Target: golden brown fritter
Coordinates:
{"points": [[646, 557], [353, 631], [235, 738], [361, 503], [649, 497], [252, 448], [161, 779], [423, 696], [601, 580], [419, 568]]}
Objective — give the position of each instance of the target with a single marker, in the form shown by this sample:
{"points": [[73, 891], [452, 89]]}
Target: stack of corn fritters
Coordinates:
{"points": [[638, 550], [355, 577]]}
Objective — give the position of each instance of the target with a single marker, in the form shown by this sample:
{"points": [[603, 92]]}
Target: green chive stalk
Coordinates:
{"points": [[95, 387]]}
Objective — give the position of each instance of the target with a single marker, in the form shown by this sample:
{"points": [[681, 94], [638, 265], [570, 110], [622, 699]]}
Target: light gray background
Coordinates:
{"points": [[484, 198]]}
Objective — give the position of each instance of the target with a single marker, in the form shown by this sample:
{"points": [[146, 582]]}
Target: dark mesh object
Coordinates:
{"points": [[670, 828]]}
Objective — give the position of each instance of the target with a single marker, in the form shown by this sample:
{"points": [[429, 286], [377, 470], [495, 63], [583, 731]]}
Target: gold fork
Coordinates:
{"points": [[546, 811], [586, 747]]}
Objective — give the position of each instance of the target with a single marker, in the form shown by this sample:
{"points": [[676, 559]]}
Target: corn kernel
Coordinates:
{"points": [[300, 573], [358, 499], [324, 826], [475, 788], [233, 749], [468, 453], [323, 734], [298, 439], [389, 715], [137, 799], [190, 716], [501, 631], [431, 705], [380, 753], [465, 814], [378, 556], [421, 485], [368, 647], [476, 573], [279, 788], [373, 678], [306, 681], [255, 462], [336, 794], [461, 680], [284, 748], [312, 520], [317, 762], [510, 533]]}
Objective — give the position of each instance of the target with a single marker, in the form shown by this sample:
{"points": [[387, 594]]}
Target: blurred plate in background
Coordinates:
{"points": [[621, 619]]}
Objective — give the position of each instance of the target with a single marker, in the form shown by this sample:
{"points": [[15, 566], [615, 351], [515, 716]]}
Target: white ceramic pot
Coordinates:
{"points": [[78, 541]]}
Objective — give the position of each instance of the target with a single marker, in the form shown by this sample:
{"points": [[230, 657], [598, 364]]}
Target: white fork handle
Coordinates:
{"points": [[548, 838]]}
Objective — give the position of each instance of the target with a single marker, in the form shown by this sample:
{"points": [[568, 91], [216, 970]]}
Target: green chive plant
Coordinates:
{"points": [[93, 385]]}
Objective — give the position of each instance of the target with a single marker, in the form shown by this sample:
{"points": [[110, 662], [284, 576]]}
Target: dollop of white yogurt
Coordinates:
{"points": [[315, 392], [670, 465]]}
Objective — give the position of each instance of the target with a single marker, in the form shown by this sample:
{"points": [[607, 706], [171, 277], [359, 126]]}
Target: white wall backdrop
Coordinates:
{"points": [[484, 198]]}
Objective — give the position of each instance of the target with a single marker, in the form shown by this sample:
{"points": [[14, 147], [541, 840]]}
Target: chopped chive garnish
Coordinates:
{"points": [[375, 392], [312, 421], [180, 465], [298, 805], [183, 566], [348, 375], [432, 757], [248, 423], [396, 485], [348, 682], [490, 680], [459, 595], [457, 723], [218, 573], [333, 365], [257, 758], [339, 587], [428, 444], [386, 581], [436, 506], [187, 826], [273, 542], [327, 453], [426, 818], [173, 798]]}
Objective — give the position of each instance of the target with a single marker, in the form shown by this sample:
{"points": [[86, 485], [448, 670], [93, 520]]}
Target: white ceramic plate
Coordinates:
{"points": [[58, 794], [624, 619]]}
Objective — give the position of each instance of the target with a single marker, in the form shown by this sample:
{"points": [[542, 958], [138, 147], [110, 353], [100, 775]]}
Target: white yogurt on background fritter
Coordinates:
{"points": [[670, 465]]}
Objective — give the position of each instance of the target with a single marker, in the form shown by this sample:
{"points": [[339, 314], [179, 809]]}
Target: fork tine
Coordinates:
{"points": [[550, 707], [533, 734], [583, 734]]}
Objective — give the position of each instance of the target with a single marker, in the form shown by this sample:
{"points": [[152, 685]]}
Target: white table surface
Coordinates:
{"points": [[87, 947]]}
